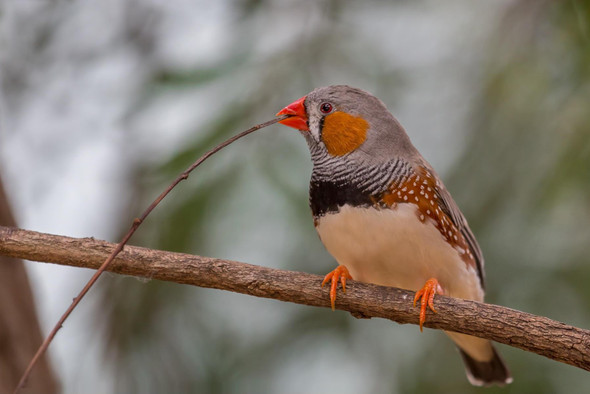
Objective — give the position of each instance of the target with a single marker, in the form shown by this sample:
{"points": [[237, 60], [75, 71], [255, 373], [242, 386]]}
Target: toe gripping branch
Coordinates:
{"points": [[426, 297], [340, 273]]}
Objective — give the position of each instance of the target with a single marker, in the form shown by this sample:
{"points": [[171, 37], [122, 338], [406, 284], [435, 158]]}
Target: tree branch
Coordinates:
{"points": [[532, 333]]}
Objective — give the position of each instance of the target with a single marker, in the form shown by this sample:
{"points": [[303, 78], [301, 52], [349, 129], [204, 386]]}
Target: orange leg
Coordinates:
{"points": [[340, 273], [426, 297]]}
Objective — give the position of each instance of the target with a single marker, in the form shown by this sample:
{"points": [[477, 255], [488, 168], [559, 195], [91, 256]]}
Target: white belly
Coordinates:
{"points": [[392, 247]]}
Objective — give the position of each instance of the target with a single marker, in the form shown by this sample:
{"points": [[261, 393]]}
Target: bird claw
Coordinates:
{"points": [[339, 274], [426, 297]]}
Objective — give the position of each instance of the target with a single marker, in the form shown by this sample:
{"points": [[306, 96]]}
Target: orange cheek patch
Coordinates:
{"points": [[342, 133]]}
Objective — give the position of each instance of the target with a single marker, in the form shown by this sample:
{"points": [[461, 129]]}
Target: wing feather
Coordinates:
{"points": [[451, 209]]}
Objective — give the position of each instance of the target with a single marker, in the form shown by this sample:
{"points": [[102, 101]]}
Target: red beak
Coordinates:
{"points": [[299, 119]]}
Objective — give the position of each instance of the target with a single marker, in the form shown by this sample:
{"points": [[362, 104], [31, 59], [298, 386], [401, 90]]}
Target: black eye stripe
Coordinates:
{"points": [[321, 126], [306, 111]]}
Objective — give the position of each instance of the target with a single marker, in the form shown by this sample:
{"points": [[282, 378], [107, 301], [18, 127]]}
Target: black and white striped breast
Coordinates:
{"points": [[336, 181]]}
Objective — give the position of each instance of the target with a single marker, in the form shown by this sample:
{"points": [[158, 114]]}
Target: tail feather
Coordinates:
{"points": [[486, 373]]}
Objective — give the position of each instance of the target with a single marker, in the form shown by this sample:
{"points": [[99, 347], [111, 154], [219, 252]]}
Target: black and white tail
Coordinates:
{"points": [[486, 373]]}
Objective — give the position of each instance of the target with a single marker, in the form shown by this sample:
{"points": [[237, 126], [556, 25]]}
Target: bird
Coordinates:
{"points": [[384, 214]]}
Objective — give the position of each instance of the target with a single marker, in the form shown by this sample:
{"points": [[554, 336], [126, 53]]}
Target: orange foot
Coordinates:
{"points": [[340, 273], [426, 297]]}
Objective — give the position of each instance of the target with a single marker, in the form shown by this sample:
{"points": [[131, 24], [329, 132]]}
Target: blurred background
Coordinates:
{"points": [[105, 102]]}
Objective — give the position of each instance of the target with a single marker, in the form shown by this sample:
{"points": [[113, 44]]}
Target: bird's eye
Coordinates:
{"points": [[326, 108]]}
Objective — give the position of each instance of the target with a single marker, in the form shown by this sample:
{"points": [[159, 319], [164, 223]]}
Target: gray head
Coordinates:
{"points": [[346, 122]]}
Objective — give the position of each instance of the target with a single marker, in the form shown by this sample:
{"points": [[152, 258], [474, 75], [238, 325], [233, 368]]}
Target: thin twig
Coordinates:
{"points": [[119, 247], [536, 334]]}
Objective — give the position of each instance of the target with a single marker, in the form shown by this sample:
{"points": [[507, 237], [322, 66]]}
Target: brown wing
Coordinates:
{"points": [[449, 206]]}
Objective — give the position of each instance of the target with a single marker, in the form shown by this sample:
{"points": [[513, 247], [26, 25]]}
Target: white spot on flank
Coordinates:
{"points": [[405, 198], [411, 192], [416, 198], [404, 189]]}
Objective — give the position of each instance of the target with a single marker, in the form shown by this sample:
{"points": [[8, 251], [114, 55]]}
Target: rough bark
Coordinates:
{"points": [[536, 334], [20, 334]]}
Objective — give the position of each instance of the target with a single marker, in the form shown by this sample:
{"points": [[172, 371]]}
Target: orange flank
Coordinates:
{"points": [[426, 297], [340, 273], [342, 133], [422, 190]]}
